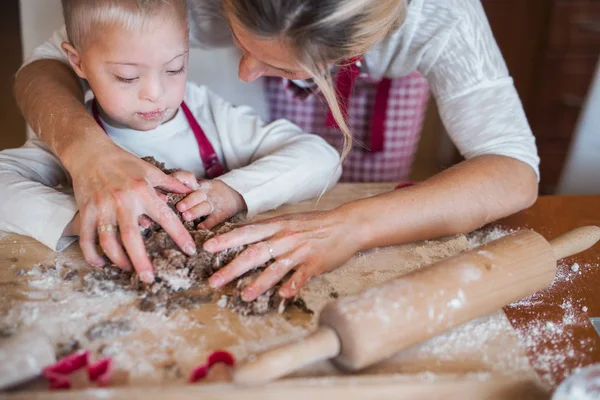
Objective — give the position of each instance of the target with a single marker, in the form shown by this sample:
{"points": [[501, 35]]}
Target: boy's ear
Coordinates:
{"points": [[74, 58]]}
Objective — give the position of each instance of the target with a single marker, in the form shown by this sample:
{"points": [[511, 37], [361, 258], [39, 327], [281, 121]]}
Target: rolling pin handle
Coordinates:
{"points": [[575, 241], [323, 344]]}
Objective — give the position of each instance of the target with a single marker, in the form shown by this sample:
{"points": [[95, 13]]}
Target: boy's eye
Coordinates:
{"points": [[125, 80], [177, 72]]}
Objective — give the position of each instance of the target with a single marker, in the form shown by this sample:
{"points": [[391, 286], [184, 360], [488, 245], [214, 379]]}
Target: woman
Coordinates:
{"points": [[448, 41]]}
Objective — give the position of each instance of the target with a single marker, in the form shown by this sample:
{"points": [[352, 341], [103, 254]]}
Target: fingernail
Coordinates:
{"points": [[216, 281], [248, 295], [147, 277], [190, 249], [98, 264], [186, 216], [209, 246]]}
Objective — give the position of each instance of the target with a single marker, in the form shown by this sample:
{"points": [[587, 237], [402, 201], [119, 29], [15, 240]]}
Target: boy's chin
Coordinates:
{"points": [[146, 125]]}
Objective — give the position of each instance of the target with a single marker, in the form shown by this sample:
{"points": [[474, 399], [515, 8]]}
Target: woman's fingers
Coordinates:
{"points": [[87, 237], [134, 244], [112, 247], [108, 237], [144, 222], [299, 279], [250, 258], [212, 220], [158, 179], [242, 236], [260, 253], [187, 178], [166, 218], [274, 273], [310, 243]]}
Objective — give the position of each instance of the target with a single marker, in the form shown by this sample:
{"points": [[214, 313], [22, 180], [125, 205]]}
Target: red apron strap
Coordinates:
{"points": [[211, 162], [209, 157], [380, 115], [344, 83], [404, 185]]}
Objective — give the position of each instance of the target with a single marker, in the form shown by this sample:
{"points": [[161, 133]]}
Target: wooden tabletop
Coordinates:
{"points": [[552, 216]]}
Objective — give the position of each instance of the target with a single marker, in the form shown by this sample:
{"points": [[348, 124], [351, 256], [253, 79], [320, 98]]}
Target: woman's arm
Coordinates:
{"points": [[111, 186], [50, 97], [458, 200]]}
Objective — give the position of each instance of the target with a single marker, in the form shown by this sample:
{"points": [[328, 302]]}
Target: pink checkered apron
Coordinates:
{"points": [[385, 118]]}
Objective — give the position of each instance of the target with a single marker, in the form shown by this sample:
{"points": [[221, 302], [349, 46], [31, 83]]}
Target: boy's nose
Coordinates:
{"points": [[152, 91]]}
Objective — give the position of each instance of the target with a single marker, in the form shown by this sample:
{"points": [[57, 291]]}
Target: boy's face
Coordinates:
{"points": [[139, 76]]}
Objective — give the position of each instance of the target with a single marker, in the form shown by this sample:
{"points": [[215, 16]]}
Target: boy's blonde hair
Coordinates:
{"points": [[86, 19], [322, 32]]}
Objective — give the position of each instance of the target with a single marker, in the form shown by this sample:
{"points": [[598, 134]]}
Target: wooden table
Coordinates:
{"points": [[550, 216]]}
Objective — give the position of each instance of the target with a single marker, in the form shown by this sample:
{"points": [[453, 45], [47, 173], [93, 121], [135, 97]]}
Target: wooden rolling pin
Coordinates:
{"points": [[362, 329]]}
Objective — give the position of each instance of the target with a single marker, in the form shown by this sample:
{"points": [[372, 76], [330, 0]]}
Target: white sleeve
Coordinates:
{"points": [[30, 204], [477, 100], [270, 164], [50, 49]]}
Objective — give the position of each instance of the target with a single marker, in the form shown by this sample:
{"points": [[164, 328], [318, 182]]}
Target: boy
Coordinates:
{"points": [[133, 56]]}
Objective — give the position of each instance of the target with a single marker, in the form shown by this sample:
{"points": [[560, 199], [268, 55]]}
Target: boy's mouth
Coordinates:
{"points": [[152, 114]]}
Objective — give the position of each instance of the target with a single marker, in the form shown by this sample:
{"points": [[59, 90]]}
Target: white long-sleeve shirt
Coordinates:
{"points": [[450, 43], [268, 164]]}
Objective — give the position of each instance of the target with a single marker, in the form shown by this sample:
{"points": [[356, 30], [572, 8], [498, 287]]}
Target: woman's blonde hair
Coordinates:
{"points": [[322, 32], [85, 19]]}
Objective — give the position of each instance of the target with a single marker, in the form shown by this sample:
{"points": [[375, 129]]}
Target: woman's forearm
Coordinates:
{"points": [[458, 200], [51, 99]]}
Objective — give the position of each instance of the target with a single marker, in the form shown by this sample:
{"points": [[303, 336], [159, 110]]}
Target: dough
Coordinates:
{"points": [[180, 280]]}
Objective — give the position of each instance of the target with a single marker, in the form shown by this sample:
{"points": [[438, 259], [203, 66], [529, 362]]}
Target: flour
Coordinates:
{"points": [[474, 342], [575, 267], [458, 301], [483, 236], [102, 316], [159, 347], [546, 340]]}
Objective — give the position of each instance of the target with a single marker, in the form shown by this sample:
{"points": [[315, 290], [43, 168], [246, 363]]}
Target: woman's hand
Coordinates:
{"points": [[311, 243], [210, 197], [114, 188]]}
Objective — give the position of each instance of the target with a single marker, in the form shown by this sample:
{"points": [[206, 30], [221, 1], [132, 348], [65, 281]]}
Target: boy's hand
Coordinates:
{"points": [[211, 198]]}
